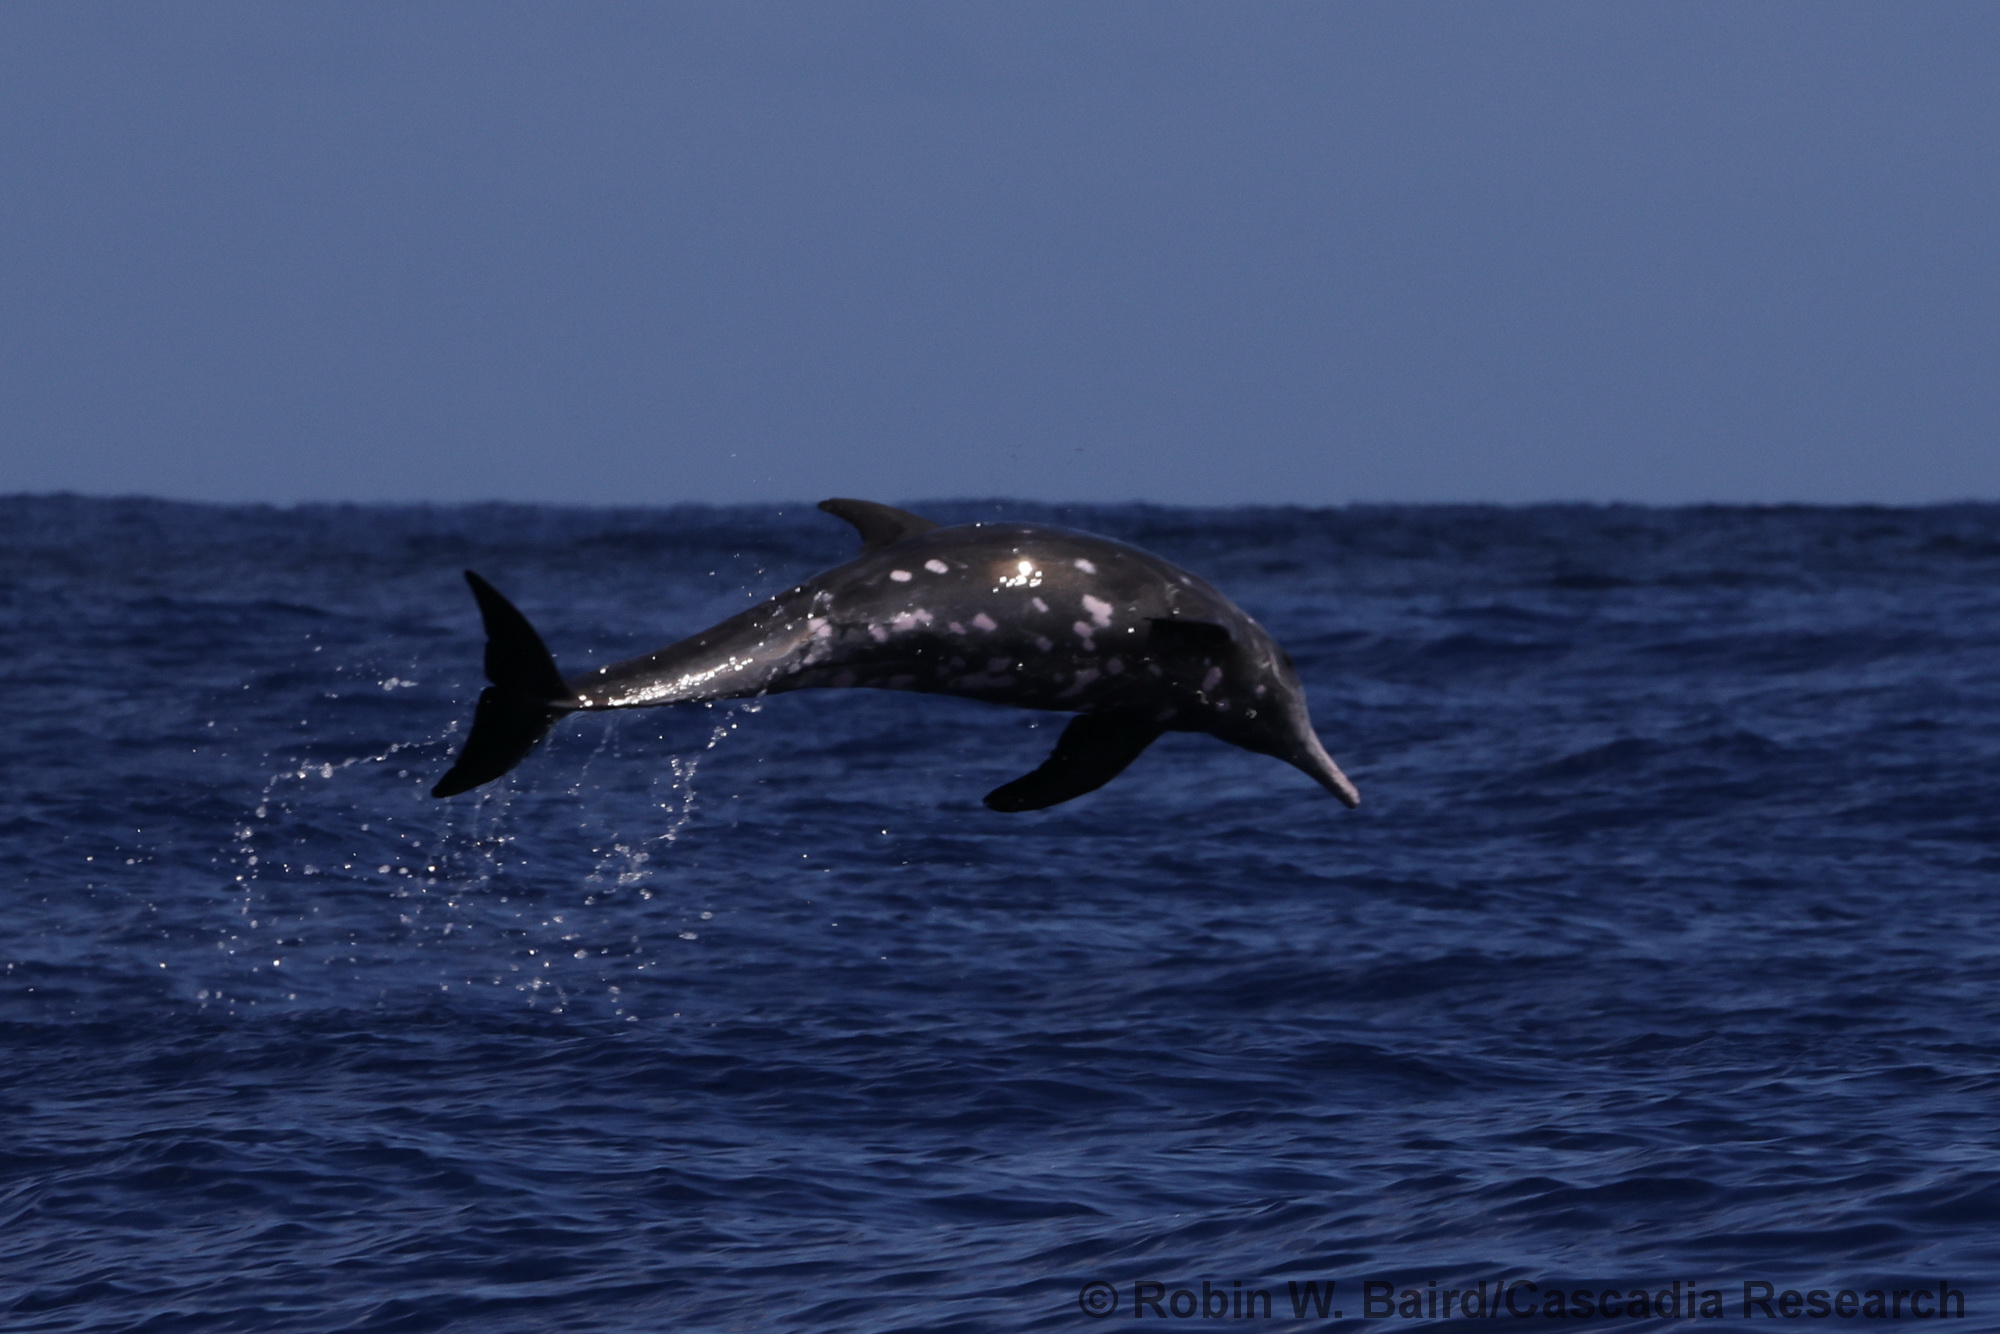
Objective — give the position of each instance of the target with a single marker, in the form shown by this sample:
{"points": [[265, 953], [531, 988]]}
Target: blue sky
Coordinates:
{"points": [[1197, 253]]}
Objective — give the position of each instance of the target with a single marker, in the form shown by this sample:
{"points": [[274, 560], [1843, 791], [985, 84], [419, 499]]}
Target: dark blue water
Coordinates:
{"points": [[1665, 947]]}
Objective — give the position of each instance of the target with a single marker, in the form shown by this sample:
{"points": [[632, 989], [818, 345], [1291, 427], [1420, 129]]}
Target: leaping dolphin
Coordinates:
{"points": [[1011, 613]]}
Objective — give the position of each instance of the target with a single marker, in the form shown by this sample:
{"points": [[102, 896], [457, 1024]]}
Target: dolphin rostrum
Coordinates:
{"points": [[1011, 613]]}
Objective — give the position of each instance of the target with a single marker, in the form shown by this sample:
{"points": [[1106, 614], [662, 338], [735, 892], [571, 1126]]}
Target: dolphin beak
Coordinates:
{"points": [[1311, 757]]}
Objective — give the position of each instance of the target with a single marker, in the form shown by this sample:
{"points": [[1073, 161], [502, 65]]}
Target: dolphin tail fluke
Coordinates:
{"points": [[517, 710]]}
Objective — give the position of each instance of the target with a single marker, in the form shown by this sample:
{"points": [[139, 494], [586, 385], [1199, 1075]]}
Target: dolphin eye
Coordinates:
{"points": [[1286, 658]]}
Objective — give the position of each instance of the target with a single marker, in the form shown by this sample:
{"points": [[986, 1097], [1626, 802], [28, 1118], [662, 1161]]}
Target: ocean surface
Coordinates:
{"points": [[1663, 953]]}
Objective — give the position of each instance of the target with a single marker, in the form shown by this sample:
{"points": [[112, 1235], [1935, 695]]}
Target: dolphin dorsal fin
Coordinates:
{"points": [[879, 525]]}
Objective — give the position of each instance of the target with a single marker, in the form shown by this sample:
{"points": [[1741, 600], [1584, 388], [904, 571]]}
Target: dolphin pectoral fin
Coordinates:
{"points": [[879, 525], [517, 710], [1200, 636], [1094, 749]]}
